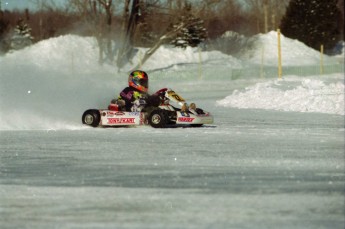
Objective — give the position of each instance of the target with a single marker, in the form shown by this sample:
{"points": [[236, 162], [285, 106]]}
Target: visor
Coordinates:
{"points": [[143, 82]]}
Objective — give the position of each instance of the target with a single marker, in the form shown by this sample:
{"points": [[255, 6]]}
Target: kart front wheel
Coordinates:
{"points": [[91, 118], [157, 119]]}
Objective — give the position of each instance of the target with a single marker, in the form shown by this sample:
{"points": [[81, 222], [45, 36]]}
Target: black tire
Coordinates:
{"points": [[157, 119], [91, 118], [196, 125], [199, 111]]}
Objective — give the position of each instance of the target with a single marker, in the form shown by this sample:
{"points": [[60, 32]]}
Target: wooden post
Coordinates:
{"points": [[280, 72], [140, 59], [200, 63], [72, 62], [262, 62], [266, 17], [321, 59]]}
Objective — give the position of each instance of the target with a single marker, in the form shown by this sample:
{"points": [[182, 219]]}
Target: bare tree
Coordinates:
{"points": [[97, 17], [267, 13], [341, 7], [161, 41], [104, 40], [179, 26], [137, 14], [129, 24], [220, 16]]}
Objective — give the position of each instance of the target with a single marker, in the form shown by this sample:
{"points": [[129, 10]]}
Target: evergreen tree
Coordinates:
{"points": [[313, 22], [4, 26], [193, 33], [22, 36]]}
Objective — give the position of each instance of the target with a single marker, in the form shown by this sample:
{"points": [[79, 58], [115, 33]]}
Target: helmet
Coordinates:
{"points": [[139, 80]]}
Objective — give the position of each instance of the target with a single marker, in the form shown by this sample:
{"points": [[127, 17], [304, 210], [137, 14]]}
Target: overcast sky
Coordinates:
{"points": [[23, 4], [30, 4]]}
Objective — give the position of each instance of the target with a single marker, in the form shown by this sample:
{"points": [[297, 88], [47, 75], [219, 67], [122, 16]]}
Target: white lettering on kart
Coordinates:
{"points": [[121, 120]]}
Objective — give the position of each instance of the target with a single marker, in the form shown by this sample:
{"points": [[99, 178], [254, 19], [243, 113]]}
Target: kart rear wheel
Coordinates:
{"points": [[157, 119], [196, 125], [91, 118]]}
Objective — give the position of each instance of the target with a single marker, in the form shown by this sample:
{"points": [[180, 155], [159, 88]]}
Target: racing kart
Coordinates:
{"points": [[156, 110]]}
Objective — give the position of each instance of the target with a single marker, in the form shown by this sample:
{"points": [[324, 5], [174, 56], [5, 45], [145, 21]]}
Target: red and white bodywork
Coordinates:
{"points": [[121, 118], [161, 116]]}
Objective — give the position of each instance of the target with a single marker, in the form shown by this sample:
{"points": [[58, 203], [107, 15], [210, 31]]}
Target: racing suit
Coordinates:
{"points": [[129, 95]]}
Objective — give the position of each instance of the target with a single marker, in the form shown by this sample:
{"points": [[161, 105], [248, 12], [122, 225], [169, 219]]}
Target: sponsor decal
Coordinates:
{"points": [[184, 114], [134, 113], [121, 120], [185, 119], [119, 113], [112, 113], [175, 96]]}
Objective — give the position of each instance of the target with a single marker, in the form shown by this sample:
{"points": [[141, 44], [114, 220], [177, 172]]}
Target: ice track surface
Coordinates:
{"points": [[280, 165], [252, 169]]}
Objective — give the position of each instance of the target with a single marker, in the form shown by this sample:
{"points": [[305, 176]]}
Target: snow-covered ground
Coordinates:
{"points": [[274, 158]]}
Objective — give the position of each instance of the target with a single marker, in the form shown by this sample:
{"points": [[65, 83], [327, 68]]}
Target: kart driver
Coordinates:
{"points": [[138, 83]]}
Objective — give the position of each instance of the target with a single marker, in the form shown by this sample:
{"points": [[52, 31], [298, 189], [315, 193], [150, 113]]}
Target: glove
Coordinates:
{"points": [[142, 101], [153, 100]]}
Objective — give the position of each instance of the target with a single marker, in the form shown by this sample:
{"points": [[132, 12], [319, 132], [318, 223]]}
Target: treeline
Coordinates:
{"points": [[143, 22], [79, 16]]}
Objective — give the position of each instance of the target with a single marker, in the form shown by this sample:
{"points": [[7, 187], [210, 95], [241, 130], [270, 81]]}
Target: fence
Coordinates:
{"points": [[226, 72]]}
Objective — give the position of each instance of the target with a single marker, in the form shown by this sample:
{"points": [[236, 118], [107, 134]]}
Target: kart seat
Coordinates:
{"points": [[113, 107]]}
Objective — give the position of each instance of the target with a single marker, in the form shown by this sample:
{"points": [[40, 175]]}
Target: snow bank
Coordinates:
{"points": [[167, 56], [263, 48], [292, 94], [49, 84], [63, 54]]}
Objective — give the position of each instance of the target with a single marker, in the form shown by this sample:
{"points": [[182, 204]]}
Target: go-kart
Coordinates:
{"points": [[155, 110]]}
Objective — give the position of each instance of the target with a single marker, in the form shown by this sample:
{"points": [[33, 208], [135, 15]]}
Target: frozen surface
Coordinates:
{"points": [[253, 169], [278, 163]]}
